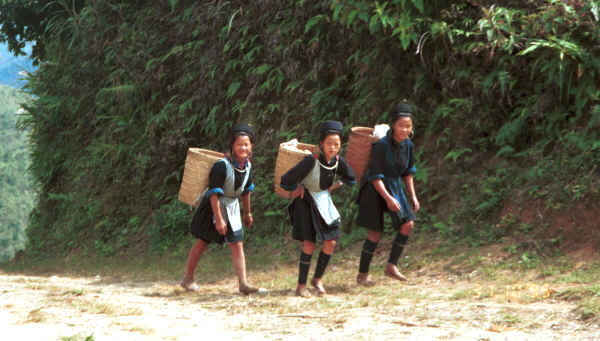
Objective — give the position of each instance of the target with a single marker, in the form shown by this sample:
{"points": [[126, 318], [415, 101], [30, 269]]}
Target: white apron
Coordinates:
{"points": [[322, 198], [229, 201]]}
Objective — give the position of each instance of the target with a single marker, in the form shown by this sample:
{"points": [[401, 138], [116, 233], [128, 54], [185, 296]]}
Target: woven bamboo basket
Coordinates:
{"points": [[289, 154], [358, 151], [198, 163]]}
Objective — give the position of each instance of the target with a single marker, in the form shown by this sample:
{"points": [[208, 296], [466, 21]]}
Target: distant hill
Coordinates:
{"points": [[11, 66], [16, 194]]}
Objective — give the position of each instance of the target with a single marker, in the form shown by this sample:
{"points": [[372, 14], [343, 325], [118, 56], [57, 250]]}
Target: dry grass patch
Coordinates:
{"points": [[38, 316], [587, 299]]}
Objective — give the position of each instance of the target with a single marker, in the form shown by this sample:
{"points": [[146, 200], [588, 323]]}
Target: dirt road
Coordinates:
{"points": [[54, 308]]}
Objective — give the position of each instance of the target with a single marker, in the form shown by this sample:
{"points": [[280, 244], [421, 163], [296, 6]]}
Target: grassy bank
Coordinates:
{"points": [[439, 271]]}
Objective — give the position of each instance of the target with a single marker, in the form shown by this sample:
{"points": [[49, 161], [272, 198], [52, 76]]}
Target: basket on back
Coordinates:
{"points": [[358, 151], [198, 163], [289, 154]]}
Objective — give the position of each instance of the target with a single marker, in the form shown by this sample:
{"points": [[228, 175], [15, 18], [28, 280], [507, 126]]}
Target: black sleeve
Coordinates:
{"points": [[377, 162], [411, 169], [216, 179], [291, 179], [346, 172]]}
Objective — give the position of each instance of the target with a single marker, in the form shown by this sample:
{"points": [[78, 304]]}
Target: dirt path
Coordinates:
{"points": [[51, 308]]}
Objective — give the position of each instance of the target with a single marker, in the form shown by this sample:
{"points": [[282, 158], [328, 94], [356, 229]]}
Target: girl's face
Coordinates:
{"points": [[242, 147], [402, 128], [331, 146]]}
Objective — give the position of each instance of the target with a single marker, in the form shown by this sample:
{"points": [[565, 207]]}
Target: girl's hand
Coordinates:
{"points": [[393, 204], [248, 220], [298, 192], [416, 204], [335, 186], [221, 226]]}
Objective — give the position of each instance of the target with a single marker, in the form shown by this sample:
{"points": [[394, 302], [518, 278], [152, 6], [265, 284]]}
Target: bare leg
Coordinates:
{"points": [[407, 227], [329, 246], [194, 257], [239, 264]]}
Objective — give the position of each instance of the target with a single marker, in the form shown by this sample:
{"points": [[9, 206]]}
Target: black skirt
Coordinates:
{"points": [[371, 207], [203, 227], [307, 223]]}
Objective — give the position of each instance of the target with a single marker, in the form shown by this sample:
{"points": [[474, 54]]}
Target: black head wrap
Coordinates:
{"points": [[329, 127], [242, 129], [400, 110]]}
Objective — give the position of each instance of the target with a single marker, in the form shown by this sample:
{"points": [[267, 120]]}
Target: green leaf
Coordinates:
{"points": [[364, 16], [595, 11], [419, 5], [312, 22], [292, 86], [534, 46], [230, 23], [173, 4], [262, 69], [373, 23], [233, 88], [351, 17], [336, 12]]}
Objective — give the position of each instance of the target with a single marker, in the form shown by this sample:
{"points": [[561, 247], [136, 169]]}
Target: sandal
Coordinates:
{"points": [[365, 280], [317, 284]]}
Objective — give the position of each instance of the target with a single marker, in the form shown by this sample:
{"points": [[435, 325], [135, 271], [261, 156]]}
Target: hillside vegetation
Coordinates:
{"points": [[506, 96], [16, 194]]}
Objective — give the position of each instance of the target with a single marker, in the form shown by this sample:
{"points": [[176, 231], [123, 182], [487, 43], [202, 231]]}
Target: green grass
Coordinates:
{"points": [[508, 318], [78, 337]]}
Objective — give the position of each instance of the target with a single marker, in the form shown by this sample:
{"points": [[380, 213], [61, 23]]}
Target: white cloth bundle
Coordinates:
{"points": [[380, 130]]}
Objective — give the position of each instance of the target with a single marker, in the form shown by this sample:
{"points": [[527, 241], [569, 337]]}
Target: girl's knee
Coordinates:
{"points": [[308, 247], [374, 236], [328, 246], [406, 227]]}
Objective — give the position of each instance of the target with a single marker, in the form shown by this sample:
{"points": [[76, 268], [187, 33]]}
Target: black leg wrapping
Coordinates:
{"points": [[322, 264], [366, 255], [397, 248], [303, 267]]}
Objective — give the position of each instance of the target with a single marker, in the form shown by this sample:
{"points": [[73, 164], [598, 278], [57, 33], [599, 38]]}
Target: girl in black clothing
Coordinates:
{"points": [[392, 162], [218, 217], [312, 212]]}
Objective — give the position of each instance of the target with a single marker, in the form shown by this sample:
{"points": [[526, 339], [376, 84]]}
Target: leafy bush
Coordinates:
{"points": [[124, 88]]}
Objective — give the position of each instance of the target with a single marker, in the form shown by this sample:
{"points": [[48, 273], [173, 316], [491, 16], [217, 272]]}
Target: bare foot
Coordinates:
{"points": [[392, 271], [364, 279], [318, 284], [247, 289], [189, 285], [302, 291]]}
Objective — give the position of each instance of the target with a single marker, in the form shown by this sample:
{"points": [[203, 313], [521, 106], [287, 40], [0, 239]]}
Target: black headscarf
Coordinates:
{"points": [[242, 129], [329, 127], [400, 110]]}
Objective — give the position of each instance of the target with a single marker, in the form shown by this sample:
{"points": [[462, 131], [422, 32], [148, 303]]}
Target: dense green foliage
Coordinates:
{"points": [[506, 94], [16, 195]]}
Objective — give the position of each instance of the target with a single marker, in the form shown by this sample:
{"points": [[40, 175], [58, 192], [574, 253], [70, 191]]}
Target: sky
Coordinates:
{"points": [[10, 66]]}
